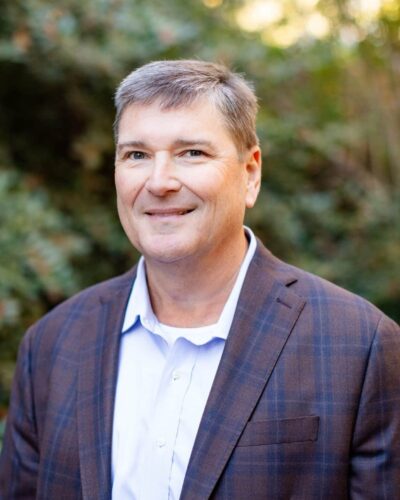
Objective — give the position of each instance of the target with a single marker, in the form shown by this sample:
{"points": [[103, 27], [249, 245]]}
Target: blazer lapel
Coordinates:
{"points": [[96, 387], [265, 315]]}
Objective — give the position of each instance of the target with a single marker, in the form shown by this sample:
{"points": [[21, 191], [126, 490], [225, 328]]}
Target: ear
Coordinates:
{"points": [[253, 174]]}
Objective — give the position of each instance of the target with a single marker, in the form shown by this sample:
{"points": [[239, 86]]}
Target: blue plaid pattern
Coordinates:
{"points": [[305, 403]]}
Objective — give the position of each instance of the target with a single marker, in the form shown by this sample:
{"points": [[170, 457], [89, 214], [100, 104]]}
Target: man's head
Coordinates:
{"points": [[186, 170], [176, 84]]}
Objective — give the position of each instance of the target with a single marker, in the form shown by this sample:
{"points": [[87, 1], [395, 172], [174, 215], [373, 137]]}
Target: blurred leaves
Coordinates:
{"points": [[329, 126], [36, 258]]}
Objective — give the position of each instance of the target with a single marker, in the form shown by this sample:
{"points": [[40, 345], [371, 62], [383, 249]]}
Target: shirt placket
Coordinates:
{"points": [[164, 424]]}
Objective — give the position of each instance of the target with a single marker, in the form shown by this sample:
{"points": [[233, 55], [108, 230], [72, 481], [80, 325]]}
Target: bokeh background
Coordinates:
{"points": [[327, 75]]}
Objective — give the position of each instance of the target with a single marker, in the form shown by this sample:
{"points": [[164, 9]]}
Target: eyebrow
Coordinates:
{"points": [[131, 144], [178, 143], [193, 142]]}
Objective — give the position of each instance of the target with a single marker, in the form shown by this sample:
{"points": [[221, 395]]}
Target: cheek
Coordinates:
{"points": [[207, 184], [126, 187]]}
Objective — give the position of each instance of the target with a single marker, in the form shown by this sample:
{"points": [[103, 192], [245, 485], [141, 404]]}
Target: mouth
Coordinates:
{"points": [[168, 212]]}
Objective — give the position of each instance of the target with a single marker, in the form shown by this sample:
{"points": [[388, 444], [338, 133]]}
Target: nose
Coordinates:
{"points": [[163, 176]]}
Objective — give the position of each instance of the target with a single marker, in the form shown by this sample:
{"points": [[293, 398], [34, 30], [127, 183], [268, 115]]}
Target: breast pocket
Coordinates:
{"points": [[287, 430]]}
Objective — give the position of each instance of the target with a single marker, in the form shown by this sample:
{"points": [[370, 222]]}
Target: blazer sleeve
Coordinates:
{"points": [[375, 464], [20, 455]]}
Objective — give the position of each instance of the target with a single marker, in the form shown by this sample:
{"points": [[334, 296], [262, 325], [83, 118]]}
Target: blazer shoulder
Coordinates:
{"points": [[320, 291], [103, 292], [323, 298], [81, 306]]}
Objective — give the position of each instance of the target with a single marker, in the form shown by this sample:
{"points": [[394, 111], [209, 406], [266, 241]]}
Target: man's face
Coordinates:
{"points": [[181, 187]]}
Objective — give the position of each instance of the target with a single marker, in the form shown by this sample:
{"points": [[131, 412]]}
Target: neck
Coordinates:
{"points": [[192, 293]]}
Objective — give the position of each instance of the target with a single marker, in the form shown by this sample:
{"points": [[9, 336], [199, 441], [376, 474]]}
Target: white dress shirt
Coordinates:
{"points": [[164, 379]]}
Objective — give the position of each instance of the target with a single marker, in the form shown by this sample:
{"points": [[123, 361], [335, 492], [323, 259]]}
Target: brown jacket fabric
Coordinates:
{"points": [[305, 403]]}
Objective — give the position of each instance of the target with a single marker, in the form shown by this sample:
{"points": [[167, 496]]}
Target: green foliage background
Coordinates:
{"points": [[329, 126]]}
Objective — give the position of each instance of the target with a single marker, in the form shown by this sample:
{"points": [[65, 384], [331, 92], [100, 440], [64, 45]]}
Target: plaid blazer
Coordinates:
{"points": [[305, 403]]}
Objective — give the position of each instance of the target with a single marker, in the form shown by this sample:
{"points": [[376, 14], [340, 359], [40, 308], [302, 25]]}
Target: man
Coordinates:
{"points": [[212, 369]]}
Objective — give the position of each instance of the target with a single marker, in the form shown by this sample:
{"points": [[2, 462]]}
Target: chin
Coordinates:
{"points": [[165, 251], [165, 257]]}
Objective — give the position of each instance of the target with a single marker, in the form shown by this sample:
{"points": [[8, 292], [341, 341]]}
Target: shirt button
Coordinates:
{"points": [[161, 443], [176, 375]]}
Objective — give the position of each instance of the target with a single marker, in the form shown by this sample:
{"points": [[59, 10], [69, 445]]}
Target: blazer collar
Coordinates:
{"points": [[98, 367], [265, 316]]}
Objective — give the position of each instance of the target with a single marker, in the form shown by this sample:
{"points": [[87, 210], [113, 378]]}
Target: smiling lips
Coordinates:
{"points": [[168, 212]]}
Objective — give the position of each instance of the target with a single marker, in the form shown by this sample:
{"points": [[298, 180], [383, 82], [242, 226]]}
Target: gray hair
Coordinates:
{"points": [[179, 83]]}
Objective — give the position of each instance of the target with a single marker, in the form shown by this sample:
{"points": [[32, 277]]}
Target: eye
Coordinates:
{"points": [[136, 155], [194, 153]]}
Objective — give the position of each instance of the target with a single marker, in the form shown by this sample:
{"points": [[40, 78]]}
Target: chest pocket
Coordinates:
{"points": [[287, 430]]}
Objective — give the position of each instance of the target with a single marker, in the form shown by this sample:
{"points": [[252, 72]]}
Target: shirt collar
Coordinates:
{"points": [[226, 318], [139, 305]]}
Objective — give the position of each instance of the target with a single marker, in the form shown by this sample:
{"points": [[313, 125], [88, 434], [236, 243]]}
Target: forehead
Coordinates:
{"points": [[201, 117]]}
